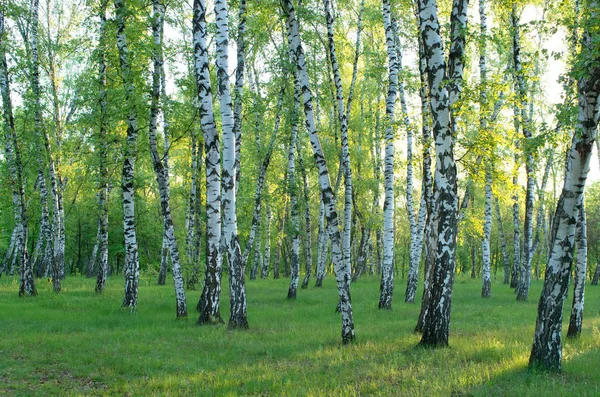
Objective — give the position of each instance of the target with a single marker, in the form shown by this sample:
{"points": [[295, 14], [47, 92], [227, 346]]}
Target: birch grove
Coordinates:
{"points": [[378, 142]]}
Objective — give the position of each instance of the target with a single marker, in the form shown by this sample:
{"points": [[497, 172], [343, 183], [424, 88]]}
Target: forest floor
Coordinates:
{"points": [[80, 343]]}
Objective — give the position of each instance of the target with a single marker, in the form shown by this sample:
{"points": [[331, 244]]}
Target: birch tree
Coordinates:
{"points": [[131, 266], [341, 274], [294, 231], [437, 321], [486, 289], [208, 306], [547, 343], [237, 287], [49, 238], [524, 124], [238, 90], [576, 319], [162, 176], [260, 184], [307, 223], [505, 259], [387, 268], [15, 164], [103, 155]]}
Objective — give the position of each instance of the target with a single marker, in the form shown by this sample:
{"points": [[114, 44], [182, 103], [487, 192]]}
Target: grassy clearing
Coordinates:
{"points": [[80, 343]]}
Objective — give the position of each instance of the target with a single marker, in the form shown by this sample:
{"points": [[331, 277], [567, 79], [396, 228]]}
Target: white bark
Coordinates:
{"points": [[387, 267], [525, 268], [131, 265], [262, 180], [162, 176], [307, 227], [267, 256], [103, 157], [92, 261], [13, 155], [416, 222], [341, 273], [322, 246], [294, 231], [486, 289], [576, 320], [343, 120], [547, 342], [505, 258], [237, 287], [437, 322], [238, 90], [208, 306]]}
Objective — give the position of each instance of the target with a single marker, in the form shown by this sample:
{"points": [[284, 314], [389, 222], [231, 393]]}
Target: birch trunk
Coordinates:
{"points": [[92, 261], [502, 242], [164, 259], [547, 343], [15, 247], [52, 232], [167, 146], [208, 306], [238, 90], [343, 120], [257, 255], [48, 263], [437, 322], [262, 173], [294, 231], [514, 279], [416, 221], [162, 176], [341, 273], [57, 182], [486, 289], [540, 219], [576, 319], [131, 265], [387, 268], [307, 227], [525, 269], [267, 259], [596, 274], [237, 287], [426, 209], [193, 241], [103, 157], [322, 249], [11, 247], [191, 215], [13, 156]]}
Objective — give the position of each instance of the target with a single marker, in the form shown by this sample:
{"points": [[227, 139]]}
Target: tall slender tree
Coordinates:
{"points": [[524, 124], [13, 156], [132, 265], [103, 154], [547, 343], [486, 289], [237, 286], [576, 320], [208, 306], [437, 322], [162, 176], [331, 216], [387, 267]]}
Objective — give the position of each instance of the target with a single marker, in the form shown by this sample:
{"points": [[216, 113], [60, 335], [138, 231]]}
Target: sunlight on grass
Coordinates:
{"points": [[80, 343]]}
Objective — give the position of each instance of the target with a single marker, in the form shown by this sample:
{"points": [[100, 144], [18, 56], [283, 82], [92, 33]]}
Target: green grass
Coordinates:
{"points": [[80, 343]]}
